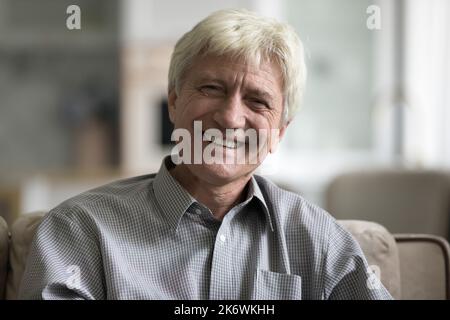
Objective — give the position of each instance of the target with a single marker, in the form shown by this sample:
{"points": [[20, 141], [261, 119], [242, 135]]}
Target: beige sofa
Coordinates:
{"points": [[411, 266]]}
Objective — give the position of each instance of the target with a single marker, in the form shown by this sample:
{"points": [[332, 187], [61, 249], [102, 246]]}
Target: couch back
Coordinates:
{"points": [[391, 197]]}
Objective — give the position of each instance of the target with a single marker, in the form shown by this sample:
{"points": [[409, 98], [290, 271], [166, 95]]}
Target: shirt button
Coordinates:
{"points": [[198, 211], [222, 238]]}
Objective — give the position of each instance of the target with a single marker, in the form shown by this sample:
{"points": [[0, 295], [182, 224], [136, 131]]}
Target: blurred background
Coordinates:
{"points": [[80, 108]]}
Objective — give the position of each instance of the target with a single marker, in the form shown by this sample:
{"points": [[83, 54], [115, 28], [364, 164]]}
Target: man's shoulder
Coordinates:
{"points": [[286, 200], [123, 189], [105, 198], [293, 212]]}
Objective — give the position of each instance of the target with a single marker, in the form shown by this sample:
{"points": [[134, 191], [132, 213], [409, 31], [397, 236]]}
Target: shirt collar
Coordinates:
{"points": [[255, 191], [174, 200]]}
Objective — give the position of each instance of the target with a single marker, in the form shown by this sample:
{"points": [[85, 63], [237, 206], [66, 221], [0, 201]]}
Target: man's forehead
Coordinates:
{"points": [[214, 63], [218, 67]]}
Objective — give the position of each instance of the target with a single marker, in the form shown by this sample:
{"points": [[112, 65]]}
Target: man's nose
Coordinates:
{"points": [[231, 113]]}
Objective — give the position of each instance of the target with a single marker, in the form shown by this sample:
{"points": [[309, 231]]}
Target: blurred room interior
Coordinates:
{"points": [[80, 108]]}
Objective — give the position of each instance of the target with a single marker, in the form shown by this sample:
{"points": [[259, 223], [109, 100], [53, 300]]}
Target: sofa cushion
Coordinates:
{"points": [[4, 239], [381, 251], [22, 234]]}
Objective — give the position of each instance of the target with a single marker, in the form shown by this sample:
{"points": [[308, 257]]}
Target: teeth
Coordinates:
{"points": [[221, 142], [225, 143]]}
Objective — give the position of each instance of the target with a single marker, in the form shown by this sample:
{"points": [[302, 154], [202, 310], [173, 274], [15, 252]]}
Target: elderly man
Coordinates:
{"points": [[204, 226]]}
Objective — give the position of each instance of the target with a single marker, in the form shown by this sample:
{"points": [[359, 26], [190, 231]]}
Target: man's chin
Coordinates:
{"points": [[222, 173]]}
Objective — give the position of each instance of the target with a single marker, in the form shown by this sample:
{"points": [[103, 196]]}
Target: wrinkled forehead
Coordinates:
{"points": [[265, 68]]}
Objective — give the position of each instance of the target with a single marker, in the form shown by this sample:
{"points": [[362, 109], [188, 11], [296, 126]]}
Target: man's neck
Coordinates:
{"points": [[217, 198]]}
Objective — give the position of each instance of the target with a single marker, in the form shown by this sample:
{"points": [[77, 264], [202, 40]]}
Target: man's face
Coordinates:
{"points": [[229, 94]]}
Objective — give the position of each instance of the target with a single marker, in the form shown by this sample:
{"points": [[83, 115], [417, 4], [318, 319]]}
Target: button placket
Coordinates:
{"points": [[221, 285]]}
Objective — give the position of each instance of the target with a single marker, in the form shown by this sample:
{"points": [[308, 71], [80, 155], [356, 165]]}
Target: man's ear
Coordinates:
{"points": [[171, 102], [283, 129], [276, 138]]}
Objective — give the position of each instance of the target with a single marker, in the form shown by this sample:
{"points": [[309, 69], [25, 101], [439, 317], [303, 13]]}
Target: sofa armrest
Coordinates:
{"points": [[4, 251], [22, 234], [424, 266]]}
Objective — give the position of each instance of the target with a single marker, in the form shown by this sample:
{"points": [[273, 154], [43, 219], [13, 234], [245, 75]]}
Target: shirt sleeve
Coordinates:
{"points": [[348, 276], [64, 262]]}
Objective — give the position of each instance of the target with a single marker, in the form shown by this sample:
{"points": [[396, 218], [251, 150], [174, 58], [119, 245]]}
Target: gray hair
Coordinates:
{"points": [[244, 34]]}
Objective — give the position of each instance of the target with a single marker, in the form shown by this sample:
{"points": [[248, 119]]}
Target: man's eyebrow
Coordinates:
{"points": [[209, 77]]}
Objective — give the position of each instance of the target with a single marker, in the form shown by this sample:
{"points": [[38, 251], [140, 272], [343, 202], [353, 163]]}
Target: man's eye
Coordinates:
{"points": [[258, 103]]}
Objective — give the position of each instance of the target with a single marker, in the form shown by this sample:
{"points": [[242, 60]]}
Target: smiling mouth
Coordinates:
{"points": [[222, 142]]}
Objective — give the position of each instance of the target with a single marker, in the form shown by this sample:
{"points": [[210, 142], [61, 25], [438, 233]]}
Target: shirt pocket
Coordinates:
{"points": [[271, 285]]}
